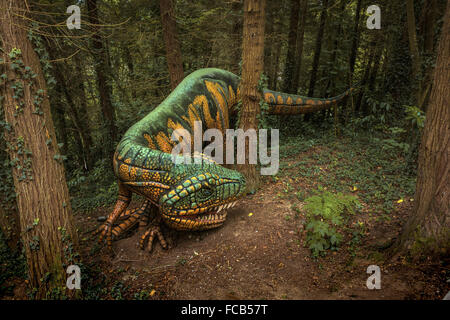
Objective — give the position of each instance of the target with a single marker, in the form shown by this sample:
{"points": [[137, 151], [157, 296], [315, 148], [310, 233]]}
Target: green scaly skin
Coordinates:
{"points": [[187, 196]]}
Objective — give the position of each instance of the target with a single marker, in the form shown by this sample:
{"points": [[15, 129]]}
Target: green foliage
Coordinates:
{"points": [[96, 189], [11, 264], [415, 116], [325, 213]]}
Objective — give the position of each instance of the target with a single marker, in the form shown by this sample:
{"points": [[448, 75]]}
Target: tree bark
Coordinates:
{"points": [[252, 67], [430, 15], [269, 40], [42, 195], [428, 229], [413, 46], [173, 50], [292, 45]]}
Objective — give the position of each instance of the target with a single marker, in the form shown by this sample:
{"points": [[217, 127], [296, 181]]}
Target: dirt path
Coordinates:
{"points": [[259, 254]]}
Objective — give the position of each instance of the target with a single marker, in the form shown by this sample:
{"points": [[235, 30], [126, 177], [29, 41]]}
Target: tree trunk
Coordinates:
{"points": [[236, 7], [428, 229], [173, 50], [252, 67], [430, 15], [367, 69], [103, 83], [299, 49], [42, 195], [80, 124], [413, 46], [318, 48], [269, 40], [355, 42], [292, 45]]}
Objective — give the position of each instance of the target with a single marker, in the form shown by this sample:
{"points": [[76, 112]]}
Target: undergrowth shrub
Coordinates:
{"points": [[325, 212], [94, 189], [11, 264]]}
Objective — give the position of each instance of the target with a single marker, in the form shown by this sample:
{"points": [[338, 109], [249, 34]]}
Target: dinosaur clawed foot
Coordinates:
{"points": [[152, 232]]}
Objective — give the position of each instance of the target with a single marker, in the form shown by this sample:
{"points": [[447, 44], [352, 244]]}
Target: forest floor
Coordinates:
{"points": [[260, 251]]}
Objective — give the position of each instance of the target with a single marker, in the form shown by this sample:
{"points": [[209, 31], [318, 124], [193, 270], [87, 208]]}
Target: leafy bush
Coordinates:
{"points": [[415, 116], [325, 212]]}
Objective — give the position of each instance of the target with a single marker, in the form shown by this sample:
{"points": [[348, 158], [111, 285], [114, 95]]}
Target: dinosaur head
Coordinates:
{"points": [[200, 195]]}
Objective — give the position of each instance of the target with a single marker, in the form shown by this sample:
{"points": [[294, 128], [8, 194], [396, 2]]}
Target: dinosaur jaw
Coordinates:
{"points": [[208, 218]]}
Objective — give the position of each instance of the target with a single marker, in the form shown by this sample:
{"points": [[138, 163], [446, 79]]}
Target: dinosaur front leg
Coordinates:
{"points": [[152, 231], [122, 203], [129, 219]]}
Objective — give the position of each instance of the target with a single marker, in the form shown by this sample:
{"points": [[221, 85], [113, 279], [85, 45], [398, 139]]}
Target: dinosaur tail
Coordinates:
{"points": [[284, 103]]}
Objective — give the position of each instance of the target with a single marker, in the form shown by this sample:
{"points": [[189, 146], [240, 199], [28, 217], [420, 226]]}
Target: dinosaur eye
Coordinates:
{"points": [[204, 193]]}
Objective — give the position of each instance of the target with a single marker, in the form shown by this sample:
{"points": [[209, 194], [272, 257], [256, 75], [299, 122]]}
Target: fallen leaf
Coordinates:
{"points": [[250, 214]]}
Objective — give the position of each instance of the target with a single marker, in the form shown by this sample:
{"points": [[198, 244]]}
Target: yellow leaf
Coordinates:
{"points": [[400, 201], [250, 214], [355, 188], [152, 293]]}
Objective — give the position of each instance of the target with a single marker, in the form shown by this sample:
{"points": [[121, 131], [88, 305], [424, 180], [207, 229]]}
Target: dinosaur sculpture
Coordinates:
{"points": [[185, 197]]}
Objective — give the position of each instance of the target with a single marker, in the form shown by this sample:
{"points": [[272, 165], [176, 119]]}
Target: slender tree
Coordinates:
{"points": [[318, 48], [428, 228], [289, 66], [103, 81], [236, 34], [299, 49], [173, 50], [413, 45], [356, 35], [42, 194], [252, 67]]}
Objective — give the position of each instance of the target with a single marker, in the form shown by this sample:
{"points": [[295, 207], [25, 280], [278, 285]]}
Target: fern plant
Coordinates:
{"points": [[325, 212]]}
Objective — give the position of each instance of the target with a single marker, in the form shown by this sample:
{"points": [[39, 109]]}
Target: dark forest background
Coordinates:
{"points": [[106, 76]]}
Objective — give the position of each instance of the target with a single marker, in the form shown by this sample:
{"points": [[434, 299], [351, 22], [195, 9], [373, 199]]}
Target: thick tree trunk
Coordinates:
{"points": [[42, 195], [428, 229], [252, 67], [318, 48], [299, 49], [173, 50], [269, 35], [292, 45], [430, 15], [103, 83]]}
